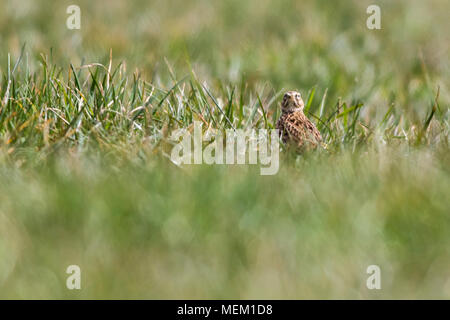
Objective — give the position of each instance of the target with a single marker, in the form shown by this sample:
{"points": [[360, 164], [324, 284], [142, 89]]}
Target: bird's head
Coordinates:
{"points": [[292, 101]]}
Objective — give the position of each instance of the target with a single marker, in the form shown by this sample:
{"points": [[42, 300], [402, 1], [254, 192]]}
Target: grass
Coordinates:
{"points": [[84, 141]]}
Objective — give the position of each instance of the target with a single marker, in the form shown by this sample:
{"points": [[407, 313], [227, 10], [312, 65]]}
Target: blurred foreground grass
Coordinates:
{"points": [[154, 231], [85, 178]]}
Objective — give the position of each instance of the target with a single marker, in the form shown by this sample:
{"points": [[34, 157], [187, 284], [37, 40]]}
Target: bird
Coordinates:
{"points": [[293, 125]]}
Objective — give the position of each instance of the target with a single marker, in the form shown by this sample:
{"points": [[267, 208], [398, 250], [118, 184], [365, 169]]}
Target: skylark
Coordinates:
{"points": [[295, 128]]}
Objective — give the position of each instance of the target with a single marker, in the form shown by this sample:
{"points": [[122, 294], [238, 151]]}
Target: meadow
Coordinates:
{"points": [[86, 178]]}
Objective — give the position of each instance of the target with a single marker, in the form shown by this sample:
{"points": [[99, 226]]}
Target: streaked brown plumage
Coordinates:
{"points": [[295, 128]]}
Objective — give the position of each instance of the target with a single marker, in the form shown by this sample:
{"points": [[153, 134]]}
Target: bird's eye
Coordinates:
{"points": [[297, 96]]}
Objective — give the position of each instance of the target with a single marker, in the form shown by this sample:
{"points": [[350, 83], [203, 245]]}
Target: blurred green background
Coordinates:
{"points": [[140, 227], [287, 43]]}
